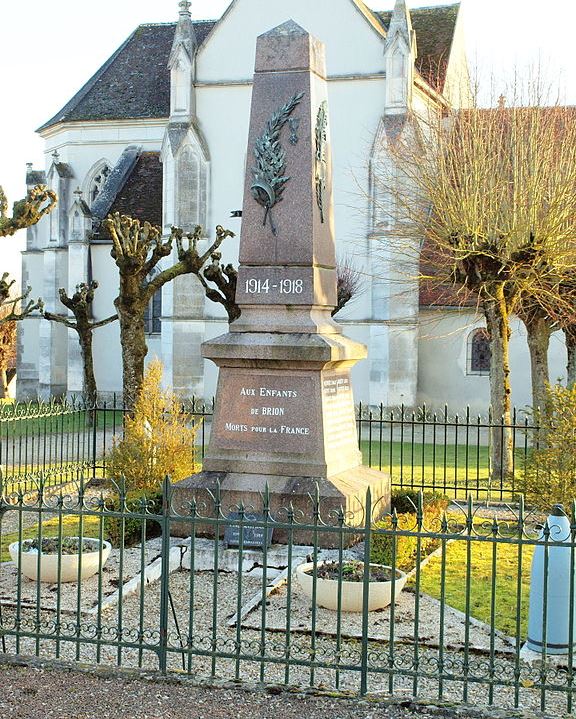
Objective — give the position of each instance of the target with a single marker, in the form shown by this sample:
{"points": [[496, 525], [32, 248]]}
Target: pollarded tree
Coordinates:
{"points": [[7, 353], [138, 249], [27, 212], [492, 193], [80, 304]]}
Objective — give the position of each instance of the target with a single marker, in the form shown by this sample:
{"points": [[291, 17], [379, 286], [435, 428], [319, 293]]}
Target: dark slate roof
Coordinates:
{"points": [[35, 177], [115, 182], [141, 194], [133, 82], [434, 28], [64, 170]]}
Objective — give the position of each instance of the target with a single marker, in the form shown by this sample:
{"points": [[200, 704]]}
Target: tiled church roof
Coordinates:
{"points": [[140, 195], [135, 83], [436, 289]]}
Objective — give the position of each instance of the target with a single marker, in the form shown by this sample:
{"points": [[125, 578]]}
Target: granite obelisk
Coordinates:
{"points": [[284, 414]]}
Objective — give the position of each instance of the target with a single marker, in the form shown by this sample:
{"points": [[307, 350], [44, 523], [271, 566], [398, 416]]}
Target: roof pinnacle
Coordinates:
{"points": [[185, 7]]}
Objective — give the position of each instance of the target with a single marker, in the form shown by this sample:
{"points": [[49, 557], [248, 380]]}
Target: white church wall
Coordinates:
{"points": [[107, 364], [444, 361], [332, 21], [457, 82], [222, 94]]}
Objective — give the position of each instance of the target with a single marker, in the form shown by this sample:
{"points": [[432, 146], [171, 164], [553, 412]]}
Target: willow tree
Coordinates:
{"points": [[138, 249], [491, 191], [80, 305], [38, 202]]}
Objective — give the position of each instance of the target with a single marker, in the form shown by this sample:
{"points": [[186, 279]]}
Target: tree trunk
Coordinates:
{"points": [[3, 384], [134, 349], [90, 388], [498, 325], [570, 337], [539, 331]]}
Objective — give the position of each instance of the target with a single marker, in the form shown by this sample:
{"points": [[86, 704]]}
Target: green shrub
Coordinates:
{"points": [[406, 500], [133, 525], [550, 473], [382, 549], [158, 439]]}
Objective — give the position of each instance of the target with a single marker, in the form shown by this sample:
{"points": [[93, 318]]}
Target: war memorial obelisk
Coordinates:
{"points": [[284, 414]]}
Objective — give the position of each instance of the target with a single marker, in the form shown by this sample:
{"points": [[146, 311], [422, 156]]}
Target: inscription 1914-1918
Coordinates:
{"points": [[283, 287]]}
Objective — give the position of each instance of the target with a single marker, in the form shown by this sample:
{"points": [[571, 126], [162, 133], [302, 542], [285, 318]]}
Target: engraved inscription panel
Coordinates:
{"points": [[339, 420], [267, 413], [275, 286]]}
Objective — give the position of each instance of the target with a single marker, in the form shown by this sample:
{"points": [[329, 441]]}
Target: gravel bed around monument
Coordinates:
{"points": [[248, 636]]}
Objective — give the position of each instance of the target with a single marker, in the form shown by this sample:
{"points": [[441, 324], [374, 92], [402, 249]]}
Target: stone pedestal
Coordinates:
{"points": [[284, 421]]}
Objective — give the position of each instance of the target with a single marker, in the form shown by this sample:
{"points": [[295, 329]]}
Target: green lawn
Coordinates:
{"points": [[447, 468], [481, 582]]}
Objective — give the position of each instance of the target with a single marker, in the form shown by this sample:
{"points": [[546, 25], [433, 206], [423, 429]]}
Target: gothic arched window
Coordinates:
{"points": [[152, 315], [98, 181], [479, 352]]}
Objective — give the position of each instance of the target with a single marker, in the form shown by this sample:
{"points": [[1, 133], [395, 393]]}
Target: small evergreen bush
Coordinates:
{"points": [[136, 502], [158, 440], [382, 549]]}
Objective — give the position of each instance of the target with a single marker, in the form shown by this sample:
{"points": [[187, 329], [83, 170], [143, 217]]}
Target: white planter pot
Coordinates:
{"points": [[68, 565], [379, 593]]}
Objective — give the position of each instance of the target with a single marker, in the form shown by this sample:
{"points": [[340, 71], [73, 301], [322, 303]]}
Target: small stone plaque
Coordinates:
{"points": [[253, 537]]}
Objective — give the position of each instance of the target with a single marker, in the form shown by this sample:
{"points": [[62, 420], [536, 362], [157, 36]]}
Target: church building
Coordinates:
{"points": [[160, 133]]}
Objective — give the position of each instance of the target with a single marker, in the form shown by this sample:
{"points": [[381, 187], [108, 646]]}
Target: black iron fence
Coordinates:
{"points": [[431, 603], [436, 451]]}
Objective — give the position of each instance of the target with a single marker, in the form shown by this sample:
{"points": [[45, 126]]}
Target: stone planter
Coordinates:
{"points": [[379, 594], [68, 566]]}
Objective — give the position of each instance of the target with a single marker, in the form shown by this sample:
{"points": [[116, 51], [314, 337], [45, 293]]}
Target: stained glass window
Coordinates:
{"points": [[480, 351]]}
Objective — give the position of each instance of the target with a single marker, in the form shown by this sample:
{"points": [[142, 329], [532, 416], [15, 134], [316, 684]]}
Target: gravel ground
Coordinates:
{"points": [[30, 692], [302, 645], [154, 704]]}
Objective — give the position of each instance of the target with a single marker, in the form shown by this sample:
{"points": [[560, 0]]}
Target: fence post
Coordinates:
{"points": [[165, 577], [366, 592], [94, 438]]}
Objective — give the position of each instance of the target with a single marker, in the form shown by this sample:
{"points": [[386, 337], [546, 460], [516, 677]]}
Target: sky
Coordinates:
{"points": [[49, 50]]}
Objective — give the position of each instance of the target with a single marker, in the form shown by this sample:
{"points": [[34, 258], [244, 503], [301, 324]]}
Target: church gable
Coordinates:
{"points": [[135, 82], [334, 22]]}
